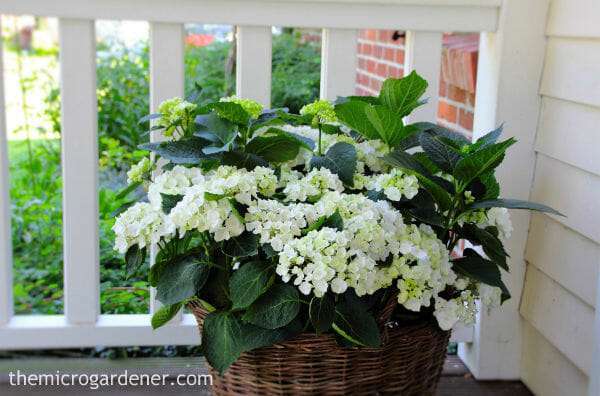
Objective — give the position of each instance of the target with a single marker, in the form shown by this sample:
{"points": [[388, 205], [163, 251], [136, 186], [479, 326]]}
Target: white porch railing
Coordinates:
{"points": [[424, 21]]}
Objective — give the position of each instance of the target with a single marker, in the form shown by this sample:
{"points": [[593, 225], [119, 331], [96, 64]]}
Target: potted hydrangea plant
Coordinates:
{"points": [[320, 251]]}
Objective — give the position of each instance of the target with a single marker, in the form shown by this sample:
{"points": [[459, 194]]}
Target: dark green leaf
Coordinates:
{"points": [[240, 159], [127, 190], [274, 309], [184, 151], [164, 314], [134, 258], [216, 289], [514, 204], [354, 323], [275, 148], [322, 312], [149, 117], [491, 137], [481, 161], [402, 95], [181, 279], [476, 267], [243, 245], [223, 132], [443, 155], [169, 201], [249, 282], [339, 159], [492, 188], [257, 337], [222, 337], [492, 246]]}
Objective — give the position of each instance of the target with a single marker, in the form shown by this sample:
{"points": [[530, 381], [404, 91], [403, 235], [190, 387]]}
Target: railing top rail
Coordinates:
{"points": [[430, 15]]}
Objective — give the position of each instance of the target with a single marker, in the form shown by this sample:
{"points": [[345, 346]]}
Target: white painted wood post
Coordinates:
{"points": [[509, 71], [80, 169], [166, 81], [338, 62], [594, 386], [6, 287], [253, 63], [423, 54]]}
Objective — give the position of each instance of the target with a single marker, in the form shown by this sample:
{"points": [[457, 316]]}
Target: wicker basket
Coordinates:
{"points": [[409, 363]]}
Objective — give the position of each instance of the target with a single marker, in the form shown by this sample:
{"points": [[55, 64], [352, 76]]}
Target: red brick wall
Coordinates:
{"points": [[381, 55]]}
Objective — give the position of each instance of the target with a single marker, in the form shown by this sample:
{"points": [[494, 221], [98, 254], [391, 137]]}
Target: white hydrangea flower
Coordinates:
{"points": [[315, 183], [173, 182], [395, 184], [490, 296], [461, 309], [500, 218], [141, 225], [241, 184]]}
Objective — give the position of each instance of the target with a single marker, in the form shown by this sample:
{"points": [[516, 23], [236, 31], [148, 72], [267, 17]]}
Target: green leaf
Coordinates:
{"points": [[249, 282], [258, 337], [334, 221], [481, 161], [439, 152], [476, 267], [169, 201], [354, 323], [387, 123], [514, 204], [491, 137], [184, 151], [275, 148], [303, 141], [492, 246], [352, 114], [216, 288], [322, 312], [232, 112], [222, 336], [402, 95], [164, 314], [181, 279], [339, 159], [213, 197], [149, 117], [128, 190], [240, 159], [134, 258], [274, 309], [492, 188], [219, 131], [458, 139], [243, 245]]}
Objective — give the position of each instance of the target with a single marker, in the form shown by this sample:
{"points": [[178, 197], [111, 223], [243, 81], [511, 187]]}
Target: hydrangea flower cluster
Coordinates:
{"points": [[370, 246], [175, 111]]}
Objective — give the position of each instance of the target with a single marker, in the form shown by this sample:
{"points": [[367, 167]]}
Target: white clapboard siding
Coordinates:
{"points": [[6, 290], [338, 62], [80, 169], [166, 82], [547, 306], [452, 15], [423, 53], [508, 92], [576, 18], [565, 256], [572, 70], [546, 371], [253, 63], [571, 191], [570, 132], [595, 371]]}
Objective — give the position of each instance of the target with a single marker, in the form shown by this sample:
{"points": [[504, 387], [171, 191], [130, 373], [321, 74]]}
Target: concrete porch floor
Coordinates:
{"points": [[456, 379]]}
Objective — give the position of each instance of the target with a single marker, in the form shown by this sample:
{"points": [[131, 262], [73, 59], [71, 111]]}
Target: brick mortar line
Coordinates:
{"points": [[368, 89], [371, 75], [456, 127], [381, 44], [380, 60], [458, 105]]}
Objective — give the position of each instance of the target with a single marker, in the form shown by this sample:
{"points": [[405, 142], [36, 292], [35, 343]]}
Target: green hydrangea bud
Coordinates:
{"points": [[252, 107], [321, 110]]}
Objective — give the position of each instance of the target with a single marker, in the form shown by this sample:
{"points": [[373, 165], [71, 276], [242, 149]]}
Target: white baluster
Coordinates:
{"points": [[338, 63], [253, 63], [166, 81], [6, 289], [80, 169], [423, 53]]}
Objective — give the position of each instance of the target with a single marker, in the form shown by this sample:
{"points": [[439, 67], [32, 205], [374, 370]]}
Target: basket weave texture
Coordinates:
{"points": [[409, 362]]}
